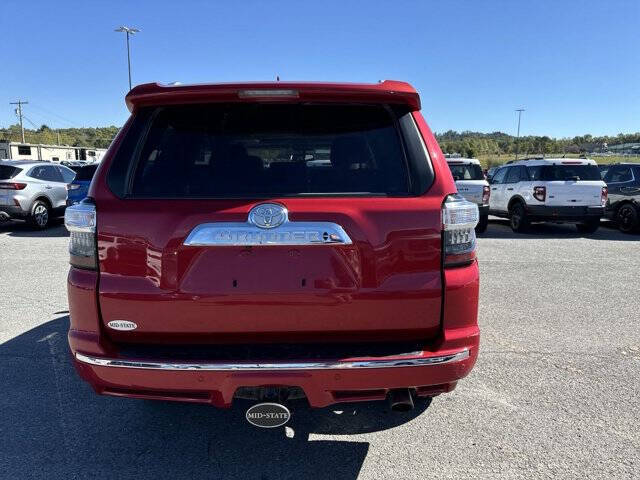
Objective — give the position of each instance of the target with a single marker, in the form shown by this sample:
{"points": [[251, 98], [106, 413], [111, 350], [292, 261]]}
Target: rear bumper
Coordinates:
{"points": [[432, 370], [12, 211], [566, 214], [323, 383]]}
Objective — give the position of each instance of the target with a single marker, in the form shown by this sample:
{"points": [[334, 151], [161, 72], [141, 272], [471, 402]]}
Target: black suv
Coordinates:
{"points": [[623, 206]]}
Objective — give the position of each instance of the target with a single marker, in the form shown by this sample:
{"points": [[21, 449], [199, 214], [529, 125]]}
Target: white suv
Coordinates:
{"points": [[472, 185], [549, 189]]}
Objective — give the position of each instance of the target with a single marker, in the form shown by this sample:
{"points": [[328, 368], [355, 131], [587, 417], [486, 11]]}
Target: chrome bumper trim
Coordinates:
{"points": [[374, 363]]}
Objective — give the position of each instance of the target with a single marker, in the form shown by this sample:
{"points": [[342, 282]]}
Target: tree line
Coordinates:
{"points": [[99, 137], [473, 144], [469, 144]]}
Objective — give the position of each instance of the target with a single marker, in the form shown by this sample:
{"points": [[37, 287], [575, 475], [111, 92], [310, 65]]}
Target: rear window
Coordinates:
{"points": [[86, 173], [550, 173], [7, 172], [466, 172], [262, 150]]}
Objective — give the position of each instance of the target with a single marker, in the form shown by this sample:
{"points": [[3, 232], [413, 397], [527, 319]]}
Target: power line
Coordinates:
{"points": [[49, 112], [57, 130], [32, 124]]}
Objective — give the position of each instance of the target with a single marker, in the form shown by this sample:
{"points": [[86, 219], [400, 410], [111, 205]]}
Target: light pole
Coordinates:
{"points": [[128, 31], [519, 110]]}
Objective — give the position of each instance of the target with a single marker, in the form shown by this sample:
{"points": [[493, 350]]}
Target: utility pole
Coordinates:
{"points": [[128, 31], [19, 103], [519, 110]]}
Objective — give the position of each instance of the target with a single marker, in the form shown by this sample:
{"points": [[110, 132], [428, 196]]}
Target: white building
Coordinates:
{"points": [[625, 148], [51, 153]]}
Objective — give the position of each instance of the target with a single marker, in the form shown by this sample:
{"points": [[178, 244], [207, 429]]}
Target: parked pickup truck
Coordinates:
{"points": [[211, 261]]}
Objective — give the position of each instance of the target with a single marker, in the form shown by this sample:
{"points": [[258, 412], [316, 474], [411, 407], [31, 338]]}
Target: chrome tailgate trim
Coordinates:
{"points": [[234, 234]]}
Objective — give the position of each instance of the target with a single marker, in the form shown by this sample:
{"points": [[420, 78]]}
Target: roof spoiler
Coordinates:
{"points": [[389, 91]]}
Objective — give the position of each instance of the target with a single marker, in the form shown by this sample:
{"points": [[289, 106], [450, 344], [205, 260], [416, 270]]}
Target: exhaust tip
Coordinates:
{"points": [[400, 400], [402, 407]]}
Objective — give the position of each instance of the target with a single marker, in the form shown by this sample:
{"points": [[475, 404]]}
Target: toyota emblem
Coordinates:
{"points": [[268, 215]]}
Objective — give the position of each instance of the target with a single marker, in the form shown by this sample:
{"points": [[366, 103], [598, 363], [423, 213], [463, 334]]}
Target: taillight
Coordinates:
{"points": [[604, 195], [540, 193], [459, 219], [486, 194], [13, 186], [80, 220], [72, 186]]}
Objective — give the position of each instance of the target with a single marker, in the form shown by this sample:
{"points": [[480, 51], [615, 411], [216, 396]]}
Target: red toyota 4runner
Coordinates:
{"points": [[298, 238]]}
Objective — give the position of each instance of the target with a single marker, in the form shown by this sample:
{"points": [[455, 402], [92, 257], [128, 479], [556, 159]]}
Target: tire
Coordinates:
{"points": [[588, 227], [627, 218], [518, 218], [40, 215], [482, 224]]}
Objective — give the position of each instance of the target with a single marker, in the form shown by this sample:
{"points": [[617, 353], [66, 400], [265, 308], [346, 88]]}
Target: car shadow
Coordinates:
{"points": [[54, 426], [17, 228], [500, 228]]}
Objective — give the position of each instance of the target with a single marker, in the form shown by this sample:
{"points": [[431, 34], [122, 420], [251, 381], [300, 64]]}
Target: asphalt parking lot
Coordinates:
{"points": [[555, 392]]}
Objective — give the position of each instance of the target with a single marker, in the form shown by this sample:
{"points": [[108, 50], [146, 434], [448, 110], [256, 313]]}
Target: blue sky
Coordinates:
{"points": [[574, 65]]}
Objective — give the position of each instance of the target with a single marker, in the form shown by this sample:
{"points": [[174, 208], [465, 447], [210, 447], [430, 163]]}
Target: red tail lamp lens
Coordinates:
{"points": [[540, 193]]}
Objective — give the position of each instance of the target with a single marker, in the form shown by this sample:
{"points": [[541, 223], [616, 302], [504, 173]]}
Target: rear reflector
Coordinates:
{"points": [[459, 219], [80, 220], [13, 186], [272, 93]]}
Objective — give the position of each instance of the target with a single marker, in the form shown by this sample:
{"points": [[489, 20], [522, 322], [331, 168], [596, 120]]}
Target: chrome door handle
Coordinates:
{"points": [[48, 186], [494, 188]]}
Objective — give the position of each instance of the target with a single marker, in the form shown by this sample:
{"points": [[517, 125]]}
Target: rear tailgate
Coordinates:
{"points": [[385, 285], [8, 191], [352, 165], [572, 183], [574, 193], [472, 190]]}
